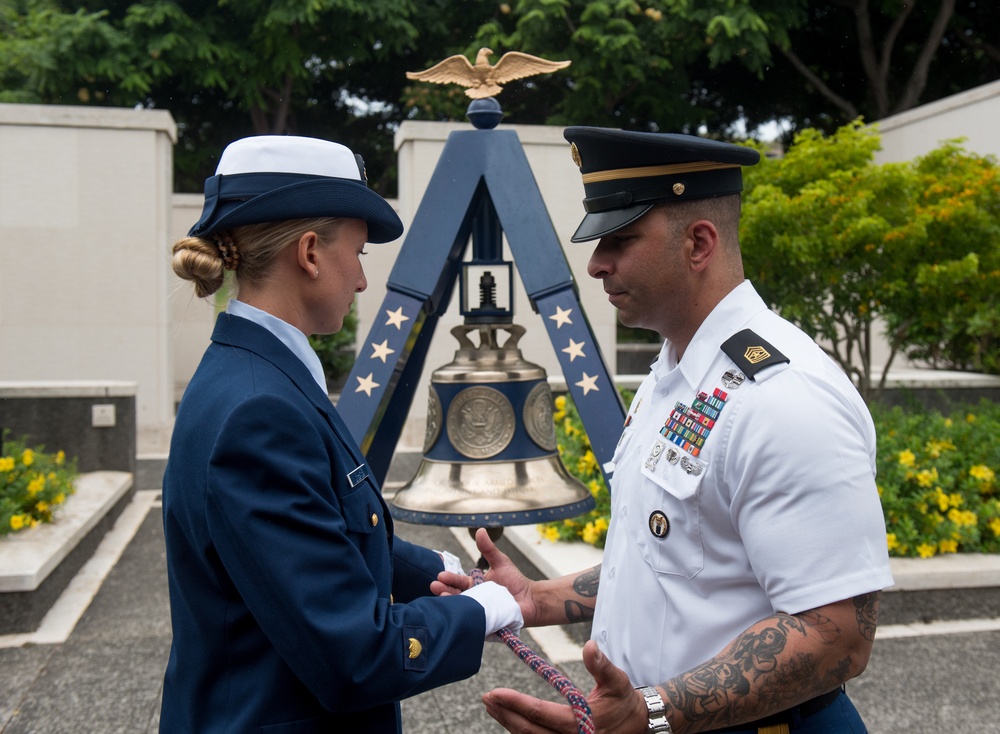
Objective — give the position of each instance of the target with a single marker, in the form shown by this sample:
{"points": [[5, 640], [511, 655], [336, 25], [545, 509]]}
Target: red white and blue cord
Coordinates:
{"points": [[545, 670]]}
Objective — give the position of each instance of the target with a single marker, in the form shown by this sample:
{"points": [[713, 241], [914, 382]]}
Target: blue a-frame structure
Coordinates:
{"points": [[483, 187]]}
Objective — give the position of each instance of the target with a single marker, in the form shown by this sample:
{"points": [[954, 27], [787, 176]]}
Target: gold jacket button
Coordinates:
{"points": [[415, 648], [374, 519]]}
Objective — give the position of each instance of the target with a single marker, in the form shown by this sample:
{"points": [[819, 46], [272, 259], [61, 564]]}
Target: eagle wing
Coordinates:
{"points": [[516, 65], [453, 70]]}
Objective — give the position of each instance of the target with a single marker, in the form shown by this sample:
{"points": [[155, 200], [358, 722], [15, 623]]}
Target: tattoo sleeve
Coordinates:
{"points": [[776, 664]]}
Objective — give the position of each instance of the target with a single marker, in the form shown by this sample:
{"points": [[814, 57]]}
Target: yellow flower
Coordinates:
{"points": [[17, 522], [892, 541], [569, 428], [28, 457], [934, 448], [36, 485], [59, 499], [550, 533], [970, 418], [595, 487], [907, 457], [955, 499], [586, 463], [60, 457], [589, 533], [995, 526], [560, 402], [7, 463], [941, 498], [925, 550], [963, 518], [879, 488], [982, 472], [42, 506], [927, 477], [948, 546]]}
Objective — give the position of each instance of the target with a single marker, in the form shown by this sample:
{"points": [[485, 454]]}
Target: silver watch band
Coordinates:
{"points": [[655, 708]]}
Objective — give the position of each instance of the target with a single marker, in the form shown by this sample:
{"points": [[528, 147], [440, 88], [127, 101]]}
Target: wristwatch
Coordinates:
{"points": [[655, 708]]}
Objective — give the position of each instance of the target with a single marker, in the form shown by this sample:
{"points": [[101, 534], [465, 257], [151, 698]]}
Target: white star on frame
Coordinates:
{"points": [[588, 383], [574, 350], [561, 317], [366, 384], [396, 318], [381, 351]]}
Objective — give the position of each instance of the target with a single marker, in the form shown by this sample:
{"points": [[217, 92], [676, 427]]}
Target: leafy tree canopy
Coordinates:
{"points": [[336, 68], [845, 247]]}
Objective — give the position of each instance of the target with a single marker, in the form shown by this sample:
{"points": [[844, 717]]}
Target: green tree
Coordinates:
{"points": [[336, 68], [844, 247], [229, 68], [948, 311], [719, 64]]}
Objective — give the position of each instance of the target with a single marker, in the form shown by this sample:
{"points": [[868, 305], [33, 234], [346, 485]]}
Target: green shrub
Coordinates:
{"points": [[32, 485], [937, 477]]}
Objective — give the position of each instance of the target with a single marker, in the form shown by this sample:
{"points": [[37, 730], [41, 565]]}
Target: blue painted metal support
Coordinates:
{"points": [[481, 177]]}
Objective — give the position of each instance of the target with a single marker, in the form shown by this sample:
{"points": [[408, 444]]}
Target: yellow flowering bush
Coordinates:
{"points": [[937, 478], [32, 485], [578, 456]]}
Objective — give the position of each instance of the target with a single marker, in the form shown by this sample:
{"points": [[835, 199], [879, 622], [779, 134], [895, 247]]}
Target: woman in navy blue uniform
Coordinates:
{"points": [[294, 608]]}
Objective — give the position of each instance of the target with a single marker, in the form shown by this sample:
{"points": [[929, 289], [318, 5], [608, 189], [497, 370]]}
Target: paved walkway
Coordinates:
{"points": [[105, 676]]}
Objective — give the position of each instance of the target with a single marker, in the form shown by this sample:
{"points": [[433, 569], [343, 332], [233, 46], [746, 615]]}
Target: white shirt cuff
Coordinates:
{"points": [[499, 605]]}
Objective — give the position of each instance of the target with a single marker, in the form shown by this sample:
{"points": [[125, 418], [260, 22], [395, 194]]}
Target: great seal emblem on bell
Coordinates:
{"points": [[538, 411], [480, 422]]}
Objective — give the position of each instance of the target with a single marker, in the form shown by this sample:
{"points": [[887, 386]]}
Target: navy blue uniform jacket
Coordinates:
{"points": [[294, 609]]}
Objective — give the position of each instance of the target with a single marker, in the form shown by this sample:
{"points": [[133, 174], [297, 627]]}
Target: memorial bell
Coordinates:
{"points": [[490, 456]]}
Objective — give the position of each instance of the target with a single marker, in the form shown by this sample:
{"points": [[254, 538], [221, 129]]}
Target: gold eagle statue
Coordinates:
{"points": [[482, 79]]}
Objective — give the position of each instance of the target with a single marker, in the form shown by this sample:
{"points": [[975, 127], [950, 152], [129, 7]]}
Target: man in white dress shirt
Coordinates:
{"points": [[740, 582]]}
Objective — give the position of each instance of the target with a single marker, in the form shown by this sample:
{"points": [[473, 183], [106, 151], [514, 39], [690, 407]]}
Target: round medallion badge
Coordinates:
{"points": [[659, 525]]}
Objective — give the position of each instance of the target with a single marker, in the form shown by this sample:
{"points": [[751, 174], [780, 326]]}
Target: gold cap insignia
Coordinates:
{"points": [[753, 355], [678, 188], [415, 648], [575, 152]]}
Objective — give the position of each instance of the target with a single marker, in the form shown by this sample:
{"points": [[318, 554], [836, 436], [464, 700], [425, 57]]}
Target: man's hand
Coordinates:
{"points": [[617, 707], [502, 571]]}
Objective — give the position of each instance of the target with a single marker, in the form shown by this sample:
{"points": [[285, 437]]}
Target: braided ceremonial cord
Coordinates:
{"points": [[576, 699]]}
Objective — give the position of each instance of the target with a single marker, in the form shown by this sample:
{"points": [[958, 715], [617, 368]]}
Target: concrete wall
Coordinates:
{"points": [[84, 206], [93, 422], [971, 114], [191, 318]]}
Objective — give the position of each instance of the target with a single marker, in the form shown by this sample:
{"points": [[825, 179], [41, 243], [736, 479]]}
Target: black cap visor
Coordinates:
{"points": [[597, 224]]}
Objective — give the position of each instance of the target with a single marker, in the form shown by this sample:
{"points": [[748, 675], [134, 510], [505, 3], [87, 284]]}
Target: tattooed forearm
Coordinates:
{"points": [[866, 607], [584, 586], [587, 582], [766, 669], [577, 612]]}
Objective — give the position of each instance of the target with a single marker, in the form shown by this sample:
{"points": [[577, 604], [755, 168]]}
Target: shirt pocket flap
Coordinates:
{"points": [[674, 470], [362, 513]]}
